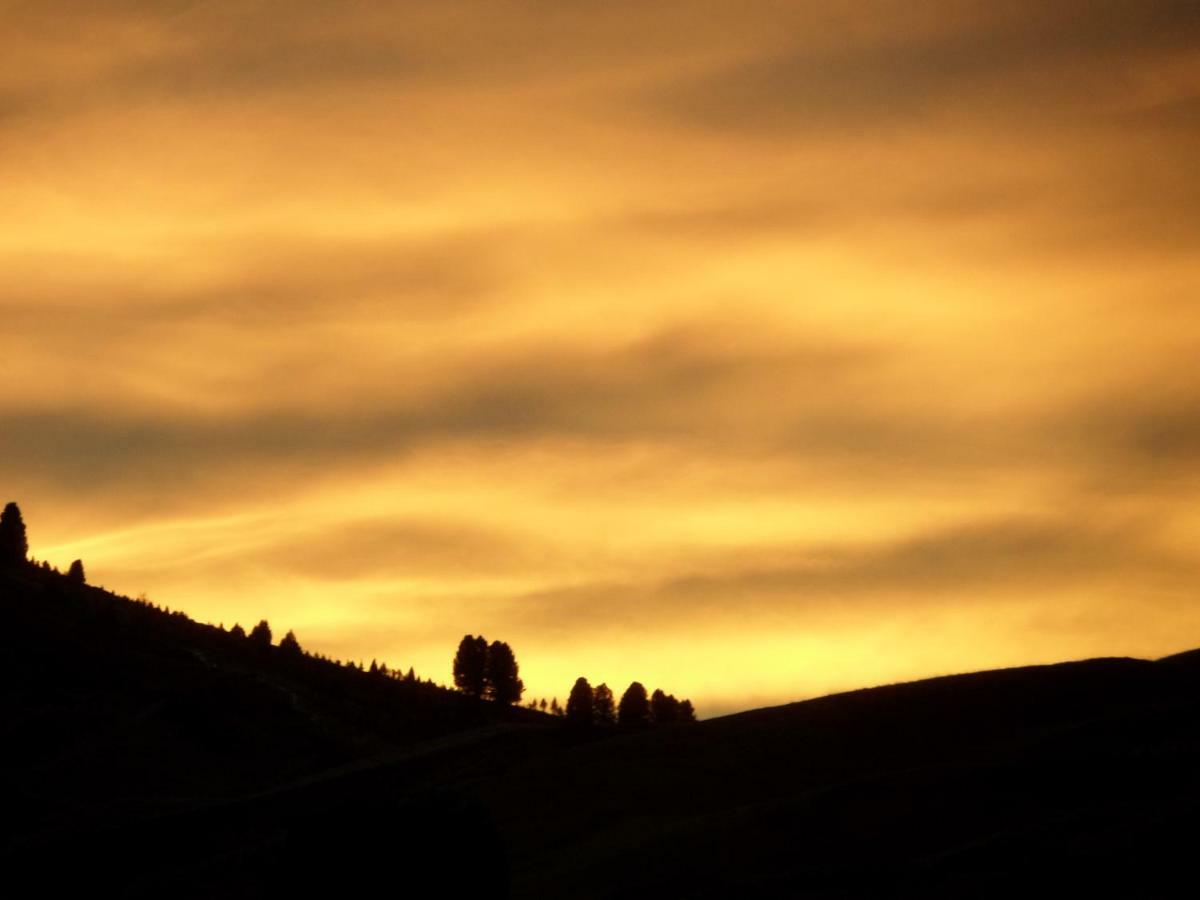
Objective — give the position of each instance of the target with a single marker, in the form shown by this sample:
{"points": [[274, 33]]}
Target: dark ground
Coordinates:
{"points": [[148, 756]]}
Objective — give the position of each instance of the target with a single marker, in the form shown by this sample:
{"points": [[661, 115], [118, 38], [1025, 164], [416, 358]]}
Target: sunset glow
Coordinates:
{"points": [[750, 350]]}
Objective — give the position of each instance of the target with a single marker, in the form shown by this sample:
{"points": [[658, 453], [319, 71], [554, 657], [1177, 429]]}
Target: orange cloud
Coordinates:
{"points": [[754, 351]]}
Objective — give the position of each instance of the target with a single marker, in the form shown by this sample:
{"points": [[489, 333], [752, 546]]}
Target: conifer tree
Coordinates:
{"points": [[260, 634], [289, 646], [470, 665], [502, 675], [603, 710], [579, 703], [14, 545], [75, 573], [664, 708], [634, 708]]}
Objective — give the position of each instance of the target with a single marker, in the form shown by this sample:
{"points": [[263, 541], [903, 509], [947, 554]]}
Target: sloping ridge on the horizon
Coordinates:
{"points": [[1082, 774]]}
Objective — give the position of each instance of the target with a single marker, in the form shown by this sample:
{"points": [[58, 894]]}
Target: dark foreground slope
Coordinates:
{"points": [[117, 714], [220, 777]]}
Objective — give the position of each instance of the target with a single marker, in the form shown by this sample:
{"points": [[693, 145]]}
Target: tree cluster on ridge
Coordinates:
{"points": [[487, 671]]}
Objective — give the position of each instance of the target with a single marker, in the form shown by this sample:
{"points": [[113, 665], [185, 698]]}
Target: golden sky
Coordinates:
{"points": [[752, 350]]}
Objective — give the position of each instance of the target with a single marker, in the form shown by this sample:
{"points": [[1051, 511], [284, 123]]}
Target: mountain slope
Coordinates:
{"points": [[233, 774], [116, 710]]}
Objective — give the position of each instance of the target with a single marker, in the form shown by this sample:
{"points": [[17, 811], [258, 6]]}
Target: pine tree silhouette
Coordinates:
{"points": [[502, 675], [260, 635], [634, 709], [664, 708], [603, 710], [579, 704], [289, 647], [470, 665], [687, 713], [75, 573], [14, 545]]}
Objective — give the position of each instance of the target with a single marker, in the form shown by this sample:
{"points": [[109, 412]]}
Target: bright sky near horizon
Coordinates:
{"points": [[750, 350]]}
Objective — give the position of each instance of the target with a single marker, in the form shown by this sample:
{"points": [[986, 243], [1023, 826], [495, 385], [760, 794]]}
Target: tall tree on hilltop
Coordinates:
{"points": [[75, 573], [470, 665], [634, 709], [260, 634], [14, 546], [579, 703], [687, 712], [502, 675], [603, 710]]}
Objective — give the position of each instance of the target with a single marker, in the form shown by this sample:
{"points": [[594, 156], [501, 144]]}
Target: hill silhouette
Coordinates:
{"points": [[148, 755]]}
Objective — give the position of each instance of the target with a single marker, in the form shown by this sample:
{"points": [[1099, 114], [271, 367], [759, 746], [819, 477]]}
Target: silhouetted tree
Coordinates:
{"points": [[502, 675], [470, 665], [75, 572], [290, 647], [634, 709], [555, 709], [603, 711], [410, 676], [664, 708], [687, 712], [237, 631], [542, 704], [260, 634], [579, 704], [14, 546]]}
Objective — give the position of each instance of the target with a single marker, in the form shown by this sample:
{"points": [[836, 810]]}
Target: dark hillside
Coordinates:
{"points": [[116, 710], [233, 772], [1083, 774]]}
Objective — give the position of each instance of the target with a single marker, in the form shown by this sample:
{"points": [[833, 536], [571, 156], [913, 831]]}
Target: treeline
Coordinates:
{"points": [[14, 556], [490, 672], [482, 670], [107, 629], [588, 706], [14, 547], [260, 638]]}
